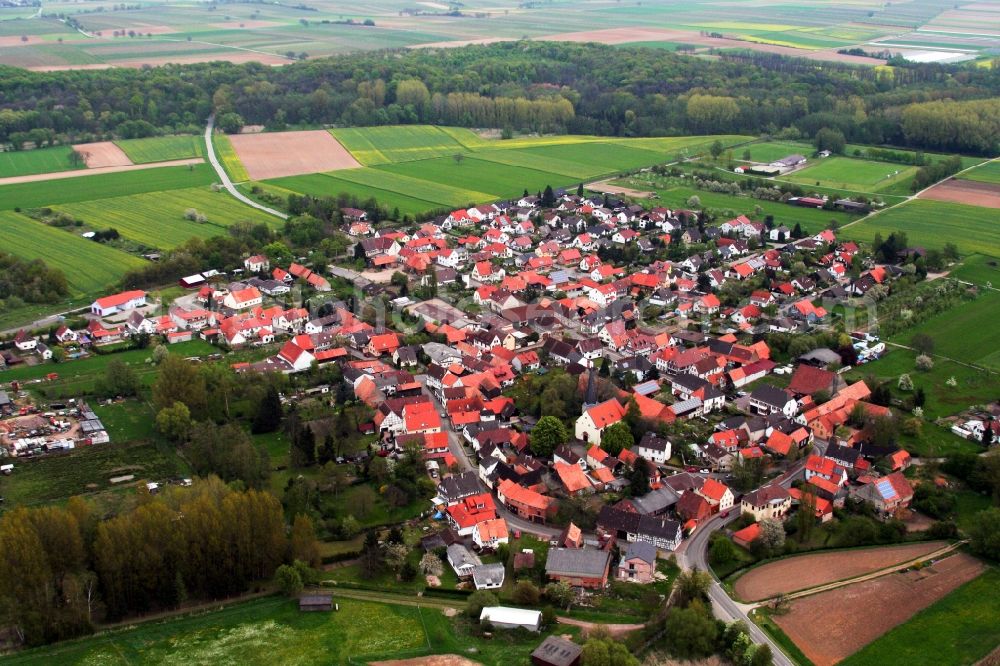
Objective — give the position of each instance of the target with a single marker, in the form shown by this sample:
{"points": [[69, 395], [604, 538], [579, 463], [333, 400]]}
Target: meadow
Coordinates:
{"points": [[41, 160], [987, 173], [272, 630], [157, 219], [161, 148], [438, 192], [931, 224], [952, 331], [961, 628], [101, 186], [88, 266], [847, 173], [386, 145], [323, 185], [979, 269], [501, 180]]}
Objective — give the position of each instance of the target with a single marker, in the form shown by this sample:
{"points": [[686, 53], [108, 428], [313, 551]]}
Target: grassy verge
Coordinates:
{"points": [[762, 618]]}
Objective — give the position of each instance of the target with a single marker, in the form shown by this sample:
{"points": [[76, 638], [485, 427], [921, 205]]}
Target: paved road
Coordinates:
{"points": [[224, 177]]}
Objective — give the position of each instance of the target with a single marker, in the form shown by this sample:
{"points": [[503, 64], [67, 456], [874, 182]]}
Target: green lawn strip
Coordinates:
{"points": [[931, 224], [762, 618], [40, 160], [89, 266], [102, 186], [960, 628], [161, 148]]}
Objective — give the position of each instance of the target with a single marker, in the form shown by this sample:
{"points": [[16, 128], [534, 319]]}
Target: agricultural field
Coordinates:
{"points": [[847, 173], [987, 173], [41, 160], [88, 266], [101, 186], [979, 269], [157, 219], [931, 224], [438, 192], [611, 156], [958, 629], [500, 180], [806, 571], [272, 630], [858, 614], [323, 185], [229, 159], [402, 143], [161, 148]]}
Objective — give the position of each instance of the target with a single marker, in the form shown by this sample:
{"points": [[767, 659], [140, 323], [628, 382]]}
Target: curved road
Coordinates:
{"points": [[224, 177]]}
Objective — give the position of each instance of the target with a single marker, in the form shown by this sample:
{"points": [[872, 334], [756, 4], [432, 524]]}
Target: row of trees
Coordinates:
{"points": [[580, 88], [65, 567]]}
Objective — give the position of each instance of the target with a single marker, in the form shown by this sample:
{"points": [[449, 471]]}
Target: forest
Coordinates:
{"points": [[520, 86]]}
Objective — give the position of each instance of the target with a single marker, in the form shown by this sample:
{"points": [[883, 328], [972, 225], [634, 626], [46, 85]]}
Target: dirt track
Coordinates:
{"points": [[830, 626], [969, 192], [39, 177], [273, 155], [805, 571]]}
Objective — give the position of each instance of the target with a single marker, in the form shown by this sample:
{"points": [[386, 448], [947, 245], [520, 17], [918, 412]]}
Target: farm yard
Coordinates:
{"points": [[931, 224], [272, 630], [805, 571], [88, 266], [157, 219], [958, 629], [855, 615]]}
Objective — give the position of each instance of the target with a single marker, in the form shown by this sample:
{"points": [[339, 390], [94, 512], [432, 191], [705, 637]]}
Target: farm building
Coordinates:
{"points": [[580, 567], [556, 651], [311, 603], [505, 617], [120, 302]]}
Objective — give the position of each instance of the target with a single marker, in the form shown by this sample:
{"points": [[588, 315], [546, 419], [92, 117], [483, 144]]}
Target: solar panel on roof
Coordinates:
{"points": [[885, 489]]}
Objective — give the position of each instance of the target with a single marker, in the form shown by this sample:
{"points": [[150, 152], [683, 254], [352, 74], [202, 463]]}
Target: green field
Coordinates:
{"points": [[40, 160], [966, 332], [726, 206], [774, 150], [988, 173], [161, 148], [88, 470], [272, 630], [931, 224], [608, 157], [156, 219], [847, 173], [323, 185], [978, 269], [501, 180], [89, 266], [88, 188], [403, 143], [961, 628], [542, 161], [438, 192], [229, 159]]}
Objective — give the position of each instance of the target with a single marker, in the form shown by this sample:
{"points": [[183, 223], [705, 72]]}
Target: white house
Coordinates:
{"points": [[243, 299], [596, 418], [654, 449], [504, 617], [257, 264], [126, 300]]}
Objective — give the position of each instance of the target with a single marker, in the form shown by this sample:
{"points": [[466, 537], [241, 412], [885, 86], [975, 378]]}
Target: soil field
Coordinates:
{"points": [[805, 571], [20, 41], [103, 154], [235, 57], [603, 186], [965, 191], [435, 660], [855, 615], [291, 153]]}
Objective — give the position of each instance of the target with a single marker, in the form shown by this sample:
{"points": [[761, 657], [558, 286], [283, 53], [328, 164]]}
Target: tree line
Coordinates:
{"points": [[575, 88], [66, 568]]}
